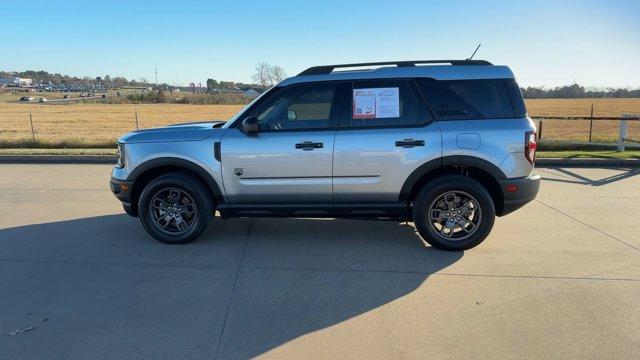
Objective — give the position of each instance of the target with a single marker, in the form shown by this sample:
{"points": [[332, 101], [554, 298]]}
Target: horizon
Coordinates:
{"points": [[253, 83], [546, 44]]}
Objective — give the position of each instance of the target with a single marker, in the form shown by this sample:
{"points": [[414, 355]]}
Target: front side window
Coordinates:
{"points": [[299, 107], [385, 103], [467, 99]]}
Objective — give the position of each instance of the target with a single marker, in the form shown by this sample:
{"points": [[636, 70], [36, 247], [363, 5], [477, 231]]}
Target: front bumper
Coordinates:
{"points": [[122, 191], [526, 190]]}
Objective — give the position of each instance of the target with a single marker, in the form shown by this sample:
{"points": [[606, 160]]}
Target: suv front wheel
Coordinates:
{"points": [[454, 213], [174, 208]]}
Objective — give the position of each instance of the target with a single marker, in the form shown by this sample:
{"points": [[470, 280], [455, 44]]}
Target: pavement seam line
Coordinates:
{"points": [[320, 269], [541, 277], [233, 290], [217, 267], [590, 226]]}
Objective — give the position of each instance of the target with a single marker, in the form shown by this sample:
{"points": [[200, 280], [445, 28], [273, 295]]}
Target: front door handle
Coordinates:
{"points": [[409, 143], [309, 145]]}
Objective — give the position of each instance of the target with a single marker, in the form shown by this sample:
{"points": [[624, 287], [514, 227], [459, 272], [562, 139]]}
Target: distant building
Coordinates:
{"points": [[15, 81], [251, 93]]}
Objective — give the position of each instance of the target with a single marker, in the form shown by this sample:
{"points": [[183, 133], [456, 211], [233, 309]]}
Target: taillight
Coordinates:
{"points": [[530, 146]]}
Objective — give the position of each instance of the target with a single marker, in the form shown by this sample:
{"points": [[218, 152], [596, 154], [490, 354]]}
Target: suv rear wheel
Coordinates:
{"points": [[454, 213], [174, 208]]}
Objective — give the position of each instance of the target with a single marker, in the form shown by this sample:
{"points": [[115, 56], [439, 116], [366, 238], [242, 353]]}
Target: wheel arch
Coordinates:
{"points": [[151, 169], [478, 169]]}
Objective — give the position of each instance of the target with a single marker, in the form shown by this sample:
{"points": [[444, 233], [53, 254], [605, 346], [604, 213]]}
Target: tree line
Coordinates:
{"points": [[42, 76], [576, 91], [267, 75]]}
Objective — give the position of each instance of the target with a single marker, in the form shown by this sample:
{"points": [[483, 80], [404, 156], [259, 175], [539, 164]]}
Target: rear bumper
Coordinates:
{"points": [[122, 191], [527, 189]]}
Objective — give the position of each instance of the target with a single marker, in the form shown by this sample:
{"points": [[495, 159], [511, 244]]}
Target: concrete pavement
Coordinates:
{"points": [[79, 279]]}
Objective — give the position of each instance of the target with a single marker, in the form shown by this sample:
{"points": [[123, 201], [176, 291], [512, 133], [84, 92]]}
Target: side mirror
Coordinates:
{"points": [[291, 115], [250, 125]]}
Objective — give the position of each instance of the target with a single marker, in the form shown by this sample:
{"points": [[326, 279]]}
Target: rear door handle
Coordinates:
{"points": [[309, 145], [409, 143]]}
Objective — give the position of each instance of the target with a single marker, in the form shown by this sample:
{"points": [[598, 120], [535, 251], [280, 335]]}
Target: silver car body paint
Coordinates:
{"points": [[361, 165], [273, 170], [369, 167]]}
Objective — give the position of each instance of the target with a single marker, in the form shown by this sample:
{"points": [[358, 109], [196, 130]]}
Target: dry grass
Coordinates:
{"points": [[582, 107], [96, 125], [578, 130]]}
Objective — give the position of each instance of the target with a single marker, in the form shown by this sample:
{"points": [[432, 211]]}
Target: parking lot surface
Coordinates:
{"points": [[81, 280]]}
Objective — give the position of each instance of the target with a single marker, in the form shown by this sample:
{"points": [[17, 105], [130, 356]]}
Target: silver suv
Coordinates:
{"points": [[445, 144]]}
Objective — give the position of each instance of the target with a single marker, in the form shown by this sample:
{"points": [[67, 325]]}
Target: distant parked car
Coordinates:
{"points": [[65, 97], [43, 99], [26, 98], [104, 96]]}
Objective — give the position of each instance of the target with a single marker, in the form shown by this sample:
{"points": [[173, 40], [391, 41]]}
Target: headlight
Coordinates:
{"points": [[120, 156]]}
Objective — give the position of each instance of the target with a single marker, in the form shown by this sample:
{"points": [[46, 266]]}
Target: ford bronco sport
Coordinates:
{"points": [[445, 144]]}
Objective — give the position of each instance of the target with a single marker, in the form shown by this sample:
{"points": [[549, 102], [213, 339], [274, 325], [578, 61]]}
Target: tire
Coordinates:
{"points": [[461, 229], [185, 218]]}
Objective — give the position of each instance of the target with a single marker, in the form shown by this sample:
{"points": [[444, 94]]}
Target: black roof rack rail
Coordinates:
{"points": [[327, 69]]}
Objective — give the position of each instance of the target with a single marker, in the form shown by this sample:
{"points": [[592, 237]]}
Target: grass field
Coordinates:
{"points": [[99, 125], [94, 125], [578, 130], [582, 107]]}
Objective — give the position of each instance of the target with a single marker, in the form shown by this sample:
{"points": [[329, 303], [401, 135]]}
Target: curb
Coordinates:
{"points": [[111, 159], [58, 159]]}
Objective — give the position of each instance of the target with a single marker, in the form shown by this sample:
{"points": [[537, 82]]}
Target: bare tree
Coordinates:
{"points": [[268, 74], [262, 73], [276, 74]]}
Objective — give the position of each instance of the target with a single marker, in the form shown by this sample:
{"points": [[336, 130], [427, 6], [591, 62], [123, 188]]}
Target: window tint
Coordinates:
{"points": [[467, 99], [298, 108], [384, 103]]}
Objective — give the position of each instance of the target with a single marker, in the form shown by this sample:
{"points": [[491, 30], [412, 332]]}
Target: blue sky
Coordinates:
{"points": [[594, 43]]}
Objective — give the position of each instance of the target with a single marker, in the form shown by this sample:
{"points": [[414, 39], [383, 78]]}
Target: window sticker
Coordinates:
{"points": [[376, 103]]}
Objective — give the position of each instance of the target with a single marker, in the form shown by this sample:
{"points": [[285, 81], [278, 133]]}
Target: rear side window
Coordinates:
{"points": [[386, 103], [467, 99]]}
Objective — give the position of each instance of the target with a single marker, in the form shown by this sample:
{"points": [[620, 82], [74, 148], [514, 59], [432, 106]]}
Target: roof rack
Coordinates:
{"points": [[327, 69]]}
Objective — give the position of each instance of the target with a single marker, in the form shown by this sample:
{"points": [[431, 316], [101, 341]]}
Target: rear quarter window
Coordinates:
{"points": [[468, 99], [519, 109]]}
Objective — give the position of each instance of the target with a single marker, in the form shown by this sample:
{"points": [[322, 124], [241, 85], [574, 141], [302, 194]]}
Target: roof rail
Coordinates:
{"points": [[327, 69]]}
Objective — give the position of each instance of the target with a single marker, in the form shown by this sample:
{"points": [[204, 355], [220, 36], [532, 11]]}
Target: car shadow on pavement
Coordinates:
{"points": [[301, 276], [573, 177], [283, 279]]}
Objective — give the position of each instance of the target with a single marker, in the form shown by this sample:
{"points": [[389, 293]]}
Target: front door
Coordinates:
{"points": [[290, 160]]}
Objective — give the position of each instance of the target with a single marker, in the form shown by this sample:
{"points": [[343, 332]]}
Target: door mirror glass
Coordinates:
{"points": [[250, 125], [291, 115]]}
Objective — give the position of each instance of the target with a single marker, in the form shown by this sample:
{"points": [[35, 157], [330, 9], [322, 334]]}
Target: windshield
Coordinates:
{"points": [[239, 113]]}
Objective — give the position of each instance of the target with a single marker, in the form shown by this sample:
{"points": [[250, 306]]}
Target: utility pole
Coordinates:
{"points": [[156, 70]]}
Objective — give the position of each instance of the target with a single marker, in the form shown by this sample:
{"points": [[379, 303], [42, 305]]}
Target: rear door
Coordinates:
{"points": [[385, 133], [290, 160]]}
